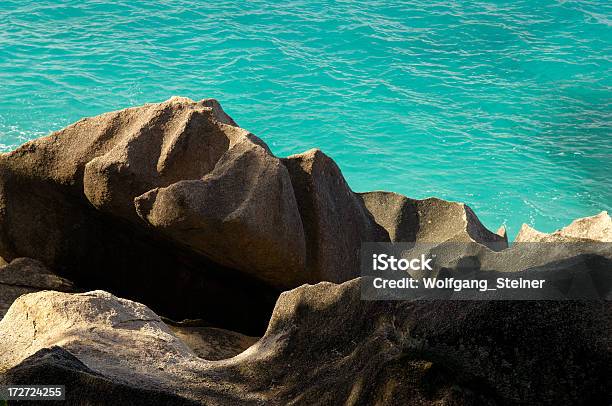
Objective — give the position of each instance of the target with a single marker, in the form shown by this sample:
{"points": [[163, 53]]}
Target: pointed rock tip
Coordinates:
{"points": [[179, 99], [529, 234], [597, 228], [311, 153], [209, 104]]}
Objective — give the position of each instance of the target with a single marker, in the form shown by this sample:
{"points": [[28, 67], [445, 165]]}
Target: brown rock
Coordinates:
{"points": [[231, 198], [84, 386], [212, 343], [68, 201], [502, 232], [154, 146], [324, 345], [174, 205], [242, 215], [529, 234], [596, 228], [429, 221], [25, 275], [335, 219]]}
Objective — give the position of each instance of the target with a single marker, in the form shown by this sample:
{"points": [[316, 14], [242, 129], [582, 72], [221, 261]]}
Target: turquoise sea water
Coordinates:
{"points": [[503, 105]]}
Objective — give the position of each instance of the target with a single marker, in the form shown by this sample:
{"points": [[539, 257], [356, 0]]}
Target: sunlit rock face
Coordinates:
{"points": [[182, 167], [430, 220], [172, 204], [596, 228], [26, 275]]}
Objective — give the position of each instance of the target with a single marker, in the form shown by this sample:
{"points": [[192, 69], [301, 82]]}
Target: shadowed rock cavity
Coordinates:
{"points": [[210, 343], [94, 251]]}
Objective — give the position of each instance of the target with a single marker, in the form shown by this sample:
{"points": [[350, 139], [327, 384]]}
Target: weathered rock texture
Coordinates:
{"points": [[429, 221], [226, 188], [324, 345], [335, 219], [211, 343], [175, 206], [595, 228], [25, 275], [242, 213], [83, 386], [170, 203]]}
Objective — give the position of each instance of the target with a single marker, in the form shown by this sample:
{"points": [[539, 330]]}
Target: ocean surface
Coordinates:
{"points": [[504, 105]]}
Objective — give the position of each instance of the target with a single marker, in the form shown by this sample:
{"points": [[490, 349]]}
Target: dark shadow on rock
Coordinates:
{"points": [[97, 251], [56, 366]]}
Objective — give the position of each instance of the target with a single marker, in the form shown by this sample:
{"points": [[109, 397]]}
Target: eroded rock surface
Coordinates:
{"points": [[335, 219], [429, 221], [212, 343], [25, 275], [83, 386], [174, 205], [242, 214], [207, 184], [215, 234], [596, 228], [324, 345]]}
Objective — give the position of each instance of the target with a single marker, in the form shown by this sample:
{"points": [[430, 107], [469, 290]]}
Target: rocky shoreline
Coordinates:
{"points": [[234, 279]]}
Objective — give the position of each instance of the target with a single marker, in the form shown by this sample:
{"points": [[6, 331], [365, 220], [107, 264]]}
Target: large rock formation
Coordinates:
{"points": [[174, 205], [207, 183], [170, 203], [242, 215], [324, 345]]}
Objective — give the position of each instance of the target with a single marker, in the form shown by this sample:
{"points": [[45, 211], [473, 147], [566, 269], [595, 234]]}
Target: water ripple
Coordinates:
{"points": [[504, 105]]}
